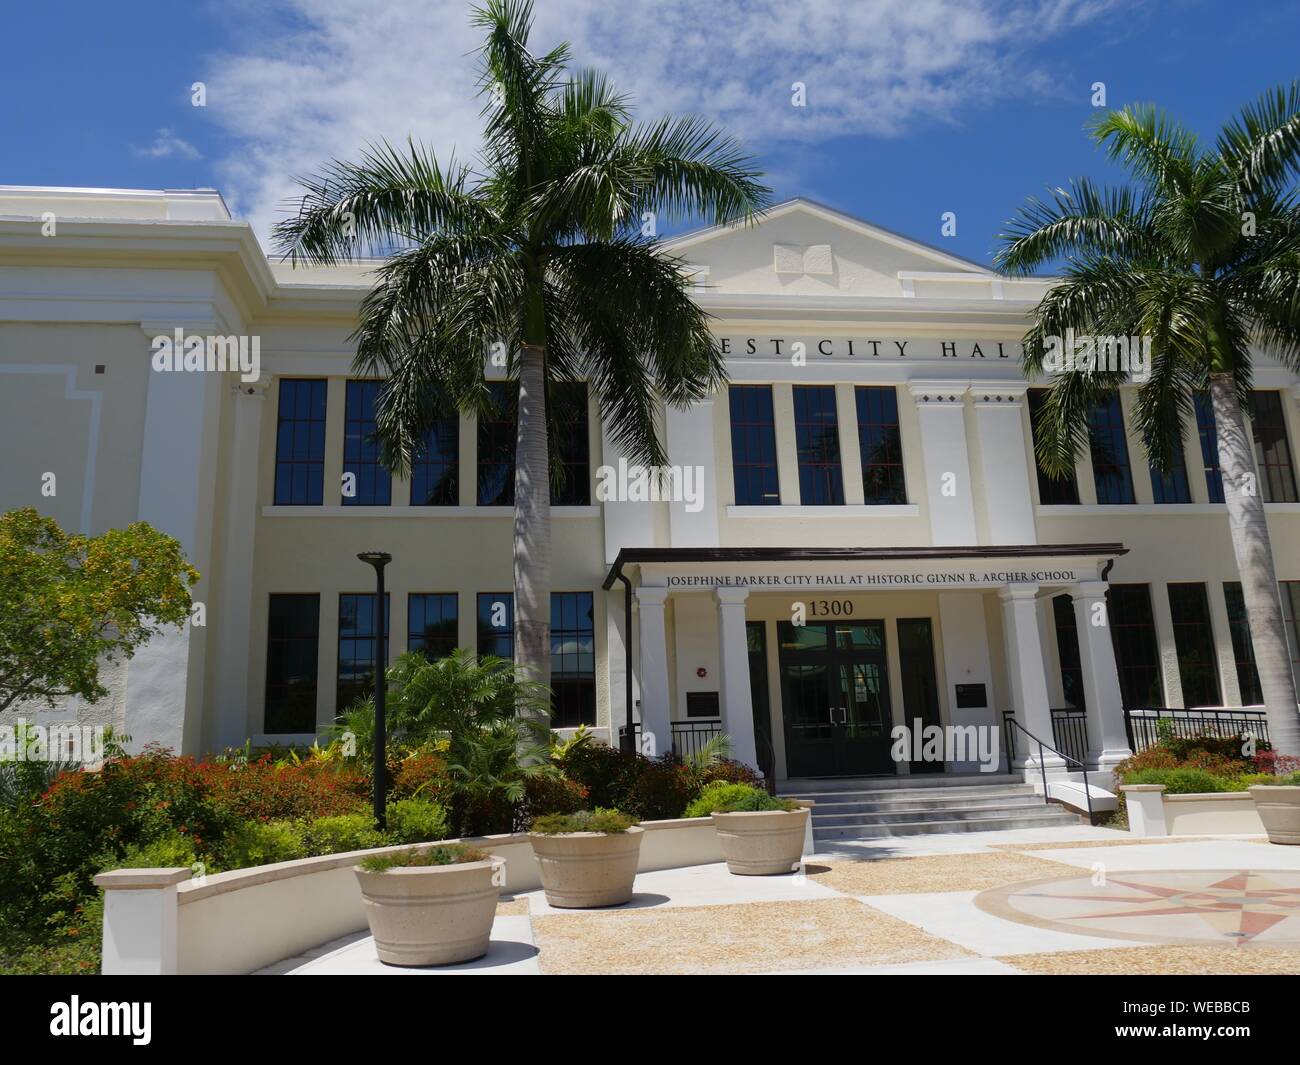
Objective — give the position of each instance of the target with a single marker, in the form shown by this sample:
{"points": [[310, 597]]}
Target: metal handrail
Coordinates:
{"points": [[1042, 765]]}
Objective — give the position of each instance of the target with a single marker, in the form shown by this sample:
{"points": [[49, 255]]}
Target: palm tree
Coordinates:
{"points": [[1202, 255], [545, 254]]}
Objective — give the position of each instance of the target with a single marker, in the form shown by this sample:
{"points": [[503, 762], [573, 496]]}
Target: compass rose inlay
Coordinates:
{"points": [[1224, 906]]}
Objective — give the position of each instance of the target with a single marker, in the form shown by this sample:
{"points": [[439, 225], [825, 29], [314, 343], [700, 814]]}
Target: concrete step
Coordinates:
{"points": [[947, 795], [914, 828], [905, 816], [870, 802], [805, 786]]}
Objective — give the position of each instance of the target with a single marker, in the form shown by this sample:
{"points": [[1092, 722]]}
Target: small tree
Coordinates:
{"points": [[68, 603]]}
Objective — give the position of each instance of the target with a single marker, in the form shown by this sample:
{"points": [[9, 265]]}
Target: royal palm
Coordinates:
{"points": [[543, 258], [1202, 255]]}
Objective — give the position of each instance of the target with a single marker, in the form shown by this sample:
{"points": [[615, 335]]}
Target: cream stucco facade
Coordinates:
{"points": [[809, 297]]}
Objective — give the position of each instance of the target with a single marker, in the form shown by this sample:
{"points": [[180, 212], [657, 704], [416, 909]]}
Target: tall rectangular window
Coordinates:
{"points": [[435, 471], [357, 631], [370, 482], [300, 443], [817, 439], [573, 660], [1172, 487], [496, 446], [1137, 649], [1109, 446], [570, 444], [881, 445], [1209, 435], [1194, 641], [1067, 650], [1051, 490], [1291, 621], [1243, 650], [431, 624], [496, 624], [753, 445], [292, 630], [1272, 448]]}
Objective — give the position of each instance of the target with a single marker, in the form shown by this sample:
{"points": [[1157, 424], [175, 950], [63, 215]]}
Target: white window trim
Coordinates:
{"points": [[849, 510]]}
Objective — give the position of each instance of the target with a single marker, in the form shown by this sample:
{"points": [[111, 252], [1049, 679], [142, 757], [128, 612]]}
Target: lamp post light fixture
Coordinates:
{"points": [[379, 559]]}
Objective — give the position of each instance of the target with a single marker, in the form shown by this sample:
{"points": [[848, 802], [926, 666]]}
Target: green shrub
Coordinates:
{"points": [[416, 821], [1184, 781], [344, 832], [550, 794], [259, 843], [1272, 779], [447, 854], [597, 820], [725, 798], [165, 852]]}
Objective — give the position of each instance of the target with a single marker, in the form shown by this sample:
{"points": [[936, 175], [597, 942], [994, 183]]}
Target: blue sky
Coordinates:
{"points": [[913, 108]]}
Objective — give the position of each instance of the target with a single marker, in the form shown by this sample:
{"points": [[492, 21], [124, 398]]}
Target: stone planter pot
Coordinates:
{"points": [[431, 914], [1279, 808], [584, 869], [762, 842]]}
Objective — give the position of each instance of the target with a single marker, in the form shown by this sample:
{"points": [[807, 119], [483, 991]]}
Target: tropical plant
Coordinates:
{"points": [[725, 798], [597, 820], [545, 258], [446, 854], [1201, 255]]}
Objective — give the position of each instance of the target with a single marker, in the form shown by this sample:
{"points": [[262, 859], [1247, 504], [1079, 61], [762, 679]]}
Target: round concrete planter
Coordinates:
{"points": [[762, 842], [584, 869], [1279, 809], [430, 914]]}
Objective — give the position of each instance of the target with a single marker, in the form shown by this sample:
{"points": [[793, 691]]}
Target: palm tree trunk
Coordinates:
{"points": [[1245, 500], [532, 545]]}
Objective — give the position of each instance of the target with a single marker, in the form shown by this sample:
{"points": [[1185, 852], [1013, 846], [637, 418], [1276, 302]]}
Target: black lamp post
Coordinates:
{"points": [[379, 559]]}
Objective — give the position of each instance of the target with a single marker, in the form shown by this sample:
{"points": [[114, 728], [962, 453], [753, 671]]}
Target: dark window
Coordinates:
{"points": [[435, 471], [753, 445], [573, 660], [1209, 434], [496, 447], [1272, 449], [568, 440], [1172, 487], [496, 624], [1137, 649], [1067, 650], [1194, 642], [1109, 446], [356, 676], [881, 445], [1243, 650], [374, 484], [1051, 490], [817, 438], [431, 624], [300, 444], [293, 626], [570, 444], [1291, 620]]}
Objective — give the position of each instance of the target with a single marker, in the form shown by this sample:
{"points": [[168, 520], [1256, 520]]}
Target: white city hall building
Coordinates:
{"points": [[858, 537]]}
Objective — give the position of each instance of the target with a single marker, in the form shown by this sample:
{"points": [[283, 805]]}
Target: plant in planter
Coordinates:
{"points": [[587, 858], [431, 906], [760, 835], [1277, 798]]}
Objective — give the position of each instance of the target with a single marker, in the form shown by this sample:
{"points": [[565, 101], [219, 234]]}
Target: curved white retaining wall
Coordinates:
{"points": [[246, 919]]}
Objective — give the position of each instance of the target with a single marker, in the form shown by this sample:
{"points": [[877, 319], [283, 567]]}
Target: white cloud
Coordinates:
{"points": [[165, 145], [322, 77]]}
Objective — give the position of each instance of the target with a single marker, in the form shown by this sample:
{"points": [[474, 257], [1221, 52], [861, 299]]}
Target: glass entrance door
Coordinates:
{"points": [[835, 695]]}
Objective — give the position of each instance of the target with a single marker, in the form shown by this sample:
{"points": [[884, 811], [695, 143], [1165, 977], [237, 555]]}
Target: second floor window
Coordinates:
{"points": [[1109, 446], [1172, 487], [435, 471], [753, 445], [1052, 491], [570, 444], [1272, 448], [817, 440], [1208, 433], [300, 443], [881, 446], [568, 440], [370, 483]]}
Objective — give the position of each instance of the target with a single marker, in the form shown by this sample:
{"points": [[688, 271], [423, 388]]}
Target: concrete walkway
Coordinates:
{"points": [[1059, 900]]}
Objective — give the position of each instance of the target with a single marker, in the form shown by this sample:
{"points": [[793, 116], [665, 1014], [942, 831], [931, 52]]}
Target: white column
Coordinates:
{"points": [[140, 920], [655, 712], [1005, 472], [689, 435], [1026, 674], [733, 657], [941, 411], [229, 724], [626, 524], [1107, 738]]}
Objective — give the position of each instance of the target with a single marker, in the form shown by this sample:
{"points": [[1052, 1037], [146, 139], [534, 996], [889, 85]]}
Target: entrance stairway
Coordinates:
{"points": [[862, 808]]}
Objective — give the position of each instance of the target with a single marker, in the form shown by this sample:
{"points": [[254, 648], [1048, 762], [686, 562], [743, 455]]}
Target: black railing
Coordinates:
{"points": [[1144, 731], [1010, 726], [1070, 732], [688, 737]]}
